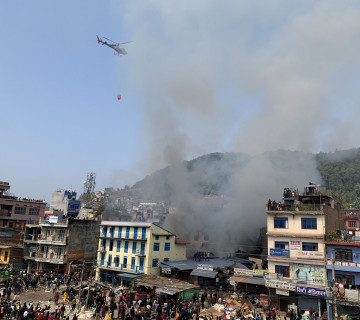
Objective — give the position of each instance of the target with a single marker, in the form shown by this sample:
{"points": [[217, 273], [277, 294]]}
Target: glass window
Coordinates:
{"points": [[156, 237], [127, 235], [281, 245], [112, 231], [132, 263], [155, 262], [111, 245], [284, 270], [167, 246], [143, 233], [134, 247], [126, 246], [109, 260], [281, 223], [125, 262], [167, 237], [34, 211], [166, 259], [117, 261], [308, 223], [156, 246], [343, 255], [20, 210], [119, 232], [309, 246], [141, 264], [118, 246], [135, 232], [352, 224]]}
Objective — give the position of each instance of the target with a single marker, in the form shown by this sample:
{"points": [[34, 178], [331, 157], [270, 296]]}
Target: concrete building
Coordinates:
{"points": [[351, 218], [344, 258], [15, 212], [65, 201], [129, 249], [296, 230], [57, 241]]}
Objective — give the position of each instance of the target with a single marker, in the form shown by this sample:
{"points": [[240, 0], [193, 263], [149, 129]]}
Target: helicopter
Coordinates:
{"points": [[113, 45]]}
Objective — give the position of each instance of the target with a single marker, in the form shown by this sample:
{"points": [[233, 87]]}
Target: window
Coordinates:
{"points": [[345, 278], [281, 245], [112, 231], [103, 243], [132, 263], [118, 246], [135, 232], [167, 246], [111, 245], [166, 259], [309, 246], [119, 232], [127, 235], [156, 246], [102, 259], [143, 233], [58, 253], [126, 247], [281, 223], [308, 223], [141, 264], [284, 270], [134, 247], [117, 261], [156, 237], [352, 224], [155, 262], [167, 237], [125, 262], [104, 230], [34, 211], [142, 248], [109, 260], [343, 255], [20, 210]]}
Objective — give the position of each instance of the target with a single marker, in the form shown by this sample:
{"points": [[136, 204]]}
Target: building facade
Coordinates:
{"points": [[65, 201], [127, 249], [56, 242], [296, 245]]}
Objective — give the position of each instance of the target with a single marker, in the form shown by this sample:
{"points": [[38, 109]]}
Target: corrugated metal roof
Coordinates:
{"points": [[126, 223], [204, 273], [253, 280]]}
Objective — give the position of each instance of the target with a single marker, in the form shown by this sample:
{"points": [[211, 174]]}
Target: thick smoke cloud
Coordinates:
{"points": [[244, 76]]}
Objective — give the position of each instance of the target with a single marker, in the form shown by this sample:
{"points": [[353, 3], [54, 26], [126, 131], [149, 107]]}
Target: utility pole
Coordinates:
{"points": [[334, 287]]}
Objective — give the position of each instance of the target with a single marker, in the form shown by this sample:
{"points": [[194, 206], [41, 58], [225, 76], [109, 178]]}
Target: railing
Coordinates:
{"points": [[298, 207]]}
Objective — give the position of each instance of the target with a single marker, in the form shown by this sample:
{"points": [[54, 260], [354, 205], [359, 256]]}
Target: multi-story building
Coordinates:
{"points": [[57, 241], [343, 260], [65, 201], [129, 249], [296, 230], [351, 218], [15, 212]]}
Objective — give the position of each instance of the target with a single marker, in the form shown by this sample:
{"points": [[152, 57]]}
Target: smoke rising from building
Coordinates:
{"points": [[243, 77]]}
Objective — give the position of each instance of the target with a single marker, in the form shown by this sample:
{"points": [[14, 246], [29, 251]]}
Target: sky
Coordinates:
{"points": [[199, 77]]}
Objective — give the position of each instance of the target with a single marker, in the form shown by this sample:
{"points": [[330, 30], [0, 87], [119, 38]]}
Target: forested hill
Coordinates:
{"points": [[340, 171], [210, 174]]}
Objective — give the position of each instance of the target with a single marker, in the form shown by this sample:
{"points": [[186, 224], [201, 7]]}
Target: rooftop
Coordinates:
{"points": [[170, 285], [126, 223]]}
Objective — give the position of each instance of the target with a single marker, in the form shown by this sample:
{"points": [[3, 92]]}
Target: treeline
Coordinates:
{"points": [[340, 171]]}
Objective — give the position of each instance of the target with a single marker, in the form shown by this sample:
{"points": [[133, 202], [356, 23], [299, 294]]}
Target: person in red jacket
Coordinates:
{"points": [[56, 298]]}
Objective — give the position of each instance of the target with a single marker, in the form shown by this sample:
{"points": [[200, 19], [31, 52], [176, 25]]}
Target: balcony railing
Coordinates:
{"points": [[297, 207]]}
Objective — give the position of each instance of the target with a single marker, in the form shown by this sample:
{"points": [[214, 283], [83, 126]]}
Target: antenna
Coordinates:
{"points": [[89, 187]]}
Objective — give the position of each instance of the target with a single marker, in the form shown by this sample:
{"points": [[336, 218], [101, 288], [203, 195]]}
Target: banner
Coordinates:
{"points": [[307, 291], [309, 274], [295, 244]]}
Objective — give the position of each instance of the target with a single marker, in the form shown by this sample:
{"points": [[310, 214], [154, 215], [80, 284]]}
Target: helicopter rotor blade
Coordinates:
{"points": [[109, 39], [126, 42]]}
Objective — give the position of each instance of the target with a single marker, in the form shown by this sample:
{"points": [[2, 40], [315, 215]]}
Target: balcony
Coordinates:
{"points": [[101, 249], [52, 240], [49, 257]]}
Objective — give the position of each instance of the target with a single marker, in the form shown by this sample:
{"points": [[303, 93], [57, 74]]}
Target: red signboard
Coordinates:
{"points": [[75, 255]]}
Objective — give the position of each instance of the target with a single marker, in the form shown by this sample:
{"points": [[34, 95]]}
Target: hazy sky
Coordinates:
{"points": [[200, 76]]}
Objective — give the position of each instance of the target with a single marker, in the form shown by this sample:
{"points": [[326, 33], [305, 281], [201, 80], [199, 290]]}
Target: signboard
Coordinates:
{"points": [[258, 273], [310, 255], [243, 272], [189, 294], [75, 255], [279, 253], [309, 274], [6, 234], [282, 292], [166, 270], [203, 266], [308, 291], [295, 244], [280, 285], [53, 219], [264, 299], [33, 249]]}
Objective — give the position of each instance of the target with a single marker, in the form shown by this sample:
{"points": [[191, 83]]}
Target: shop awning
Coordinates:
{"points": [[258, 281], [166, 291], [204, 273], [129, 276]]}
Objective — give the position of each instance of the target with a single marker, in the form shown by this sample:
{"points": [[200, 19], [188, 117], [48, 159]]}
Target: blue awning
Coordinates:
{"points": [[129, 276], [204, 273]]}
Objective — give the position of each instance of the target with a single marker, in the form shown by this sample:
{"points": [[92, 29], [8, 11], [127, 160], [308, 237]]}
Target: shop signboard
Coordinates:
{"points": [[75, 255], [189, 294], [310, 255], [280, 285], [53, 219], [309, 274], [282, 292], [243, 272], [6, 234], [308, 291], [279, 253], [295, 244], [166, 270], [203, 266]]}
